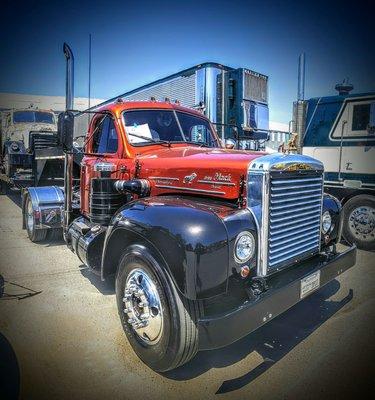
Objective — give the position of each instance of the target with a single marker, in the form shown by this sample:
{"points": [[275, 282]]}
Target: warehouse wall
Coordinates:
{"points": [[55, 103]]}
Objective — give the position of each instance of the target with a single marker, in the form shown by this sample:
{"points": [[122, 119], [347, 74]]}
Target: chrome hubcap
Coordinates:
{"points": [[362, 223], [30, 216], [143, 306]]}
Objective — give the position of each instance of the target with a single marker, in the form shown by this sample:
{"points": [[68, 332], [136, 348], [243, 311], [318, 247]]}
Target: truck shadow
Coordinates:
{"points": [[15, 196], [272, 341], [9, 370], [106, 287]]}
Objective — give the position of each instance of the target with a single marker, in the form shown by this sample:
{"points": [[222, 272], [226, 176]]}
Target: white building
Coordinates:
{"points": [[55, 103]]}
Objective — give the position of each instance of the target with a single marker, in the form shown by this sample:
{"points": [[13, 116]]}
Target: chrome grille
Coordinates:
{"points": [[294, 219]]}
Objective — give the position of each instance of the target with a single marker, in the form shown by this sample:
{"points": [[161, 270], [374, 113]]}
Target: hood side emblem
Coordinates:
{"points": [[190, 178]]}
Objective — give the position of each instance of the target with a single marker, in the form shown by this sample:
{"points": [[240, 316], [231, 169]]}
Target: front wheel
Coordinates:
{"points": [[359, 222], [35, 235], [159, 323]]}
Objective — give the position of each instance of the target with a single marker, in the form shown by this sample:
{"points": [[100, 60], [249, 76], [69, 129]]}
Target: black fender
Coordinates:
{"points": [[190, 238]]}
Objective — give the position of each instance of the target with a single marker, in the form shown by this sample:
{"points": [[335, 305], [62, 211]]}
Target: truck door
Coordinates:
{"points": [[355, 141], [103, 145]]}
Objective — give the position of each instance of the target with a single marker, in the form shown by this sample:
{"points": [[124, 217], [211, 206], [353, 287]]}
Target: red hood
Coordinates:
{"points": [[214, 172]]}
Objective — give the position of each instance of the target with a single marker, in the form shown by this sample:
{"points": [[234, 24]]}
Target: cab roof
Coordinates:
{"points": [[117, 107]]}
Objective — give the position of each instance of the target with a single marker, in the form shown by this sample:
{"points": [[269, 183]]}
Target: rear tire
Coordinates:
{"points": [[359, 222], [170, 338], [35, 235]]}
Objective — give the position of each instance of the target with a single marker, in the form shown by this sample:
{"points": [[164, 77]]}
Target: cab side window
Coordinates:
{"points": [[361, 117], [105, 137]]}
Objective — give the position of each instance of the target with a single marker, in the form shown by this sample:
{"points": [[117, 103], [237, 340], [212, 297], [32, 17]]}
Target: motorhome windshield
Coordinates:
{"points": [[33, 117], [149, 126]]}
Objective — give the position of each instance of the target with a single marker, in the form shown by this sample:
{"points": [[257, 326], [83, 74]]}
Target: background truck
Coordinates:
{"points": [[340, 132], [235, 100], [206, 244], [30, 154]]}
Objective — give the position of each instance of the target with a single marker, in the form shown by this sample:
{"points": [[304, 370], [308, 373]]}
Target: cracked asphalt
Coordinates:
{"points": [[61, 338]]}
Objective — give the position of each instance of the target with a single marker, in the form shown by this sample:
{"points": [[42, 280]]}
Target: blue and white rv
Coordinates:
{"points": [[340, 132]]}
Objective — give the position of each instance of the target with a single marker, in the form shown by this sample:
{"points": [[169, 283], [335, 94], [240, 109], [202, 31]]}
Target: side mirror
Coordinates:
{"points": [[230, 144], [234, 131], [65, 130]]}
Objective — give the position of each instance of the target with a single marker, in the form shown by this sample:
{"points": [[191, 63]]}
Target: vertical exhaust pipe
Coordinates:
{"points": [[69, 78], [68, 165]]}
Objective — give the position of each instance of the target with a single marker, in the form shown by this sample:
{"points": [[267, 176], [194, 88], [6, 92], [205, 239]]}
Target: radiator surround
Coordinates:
{"points": [[259, 175]]}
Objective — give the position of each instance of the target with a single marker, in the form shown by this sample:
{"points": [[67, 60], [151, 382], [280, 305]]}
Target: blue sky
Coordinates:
{"points": [[135, 42]]}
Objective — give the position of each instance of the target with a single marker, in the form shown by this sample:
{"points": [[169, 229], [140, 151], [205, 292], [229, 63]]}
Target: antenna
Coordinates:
{"points": [[301, 77]]}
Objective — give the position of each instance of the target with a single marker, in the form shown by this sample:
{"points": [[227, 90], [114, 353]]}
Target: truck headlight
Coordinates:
{"points": [[14, 146], [326, 222], [244, 247]]}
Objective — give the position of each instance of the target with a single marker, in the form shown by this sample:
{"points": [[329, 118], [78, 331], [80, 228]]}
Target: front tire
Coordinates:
{"points": [[359, 222], [160, 324], [35, 235]]}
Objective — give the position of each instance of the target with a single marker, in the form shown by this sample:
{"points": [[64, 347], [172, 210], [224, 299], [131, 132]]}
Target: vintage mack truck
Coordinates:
{"points": [[29, 151], [30, 154], [16, 129], [206, 244]]}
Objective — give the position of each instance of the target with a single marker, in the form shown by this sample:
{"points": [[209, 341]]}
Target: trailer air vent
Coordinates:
{"points": [[255, 86]]}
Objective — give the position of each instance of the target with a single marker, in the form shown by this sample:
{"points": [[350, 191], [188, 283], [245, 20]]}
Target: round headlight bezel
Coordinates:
{"points": [[15, 146], [326, 217], [240, 241]]}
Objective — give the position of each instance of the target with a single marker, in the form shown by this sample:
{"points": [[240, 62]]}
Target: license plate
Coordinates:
{"points": [[310, 283]]}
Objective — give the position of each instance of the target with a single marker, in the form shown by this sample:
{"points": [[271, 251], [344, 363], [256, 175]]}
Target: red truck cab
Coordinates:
{"points": [[164, 143]]}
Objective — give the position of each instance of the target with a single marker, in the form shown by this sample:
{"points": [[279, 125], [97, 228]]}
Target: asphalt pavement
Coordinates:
{"points": [[61, 338]]}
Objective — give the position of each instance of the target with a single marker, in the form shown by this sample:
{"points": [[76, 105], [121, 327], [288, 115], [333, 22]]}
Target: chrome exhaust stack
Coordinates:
{"points": [[68, 165]]}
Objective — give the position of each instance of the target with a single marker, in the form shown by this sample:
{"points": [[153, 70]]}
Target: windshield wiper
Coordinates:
{"points": [[200, 144], [148, 139]]}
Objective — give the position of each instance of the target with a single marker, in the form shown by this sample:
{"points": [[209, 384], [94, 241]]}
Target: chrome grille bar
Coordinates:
{"points": [[295, 207], [284, 196]]}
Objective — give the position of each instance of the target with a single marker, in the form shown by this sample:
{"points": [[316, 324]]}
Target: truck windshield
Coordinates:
{"points": [[150, 126], [33, 117]]}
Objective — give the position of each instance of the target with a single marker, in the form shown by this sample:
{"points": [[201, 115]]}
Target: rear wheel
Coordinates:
{"points": [[35, 235], [159, 323], [359, 222]]}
